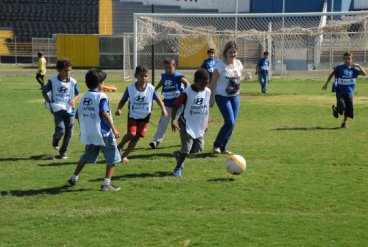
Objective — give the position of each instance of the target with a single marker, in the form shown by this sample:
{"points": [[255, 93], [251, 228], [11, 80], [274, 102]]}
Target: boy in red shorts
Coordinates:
{"points": [[140, 95]]}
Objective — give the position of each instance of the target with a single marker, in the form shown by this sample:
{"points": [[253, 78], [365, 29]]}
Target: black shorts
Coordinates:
{"points": [[345, 104]]}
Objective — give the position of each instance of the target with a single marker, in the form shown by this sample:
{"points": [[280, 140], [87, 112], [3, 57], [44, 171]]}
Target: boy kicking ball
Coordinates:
{"points": [[193, 122], [345, 78], [98, 132]]}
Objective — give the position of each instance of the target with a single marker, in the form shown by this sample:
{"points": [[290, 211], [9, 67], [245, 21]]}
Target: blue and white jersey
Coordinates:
{"points": [[346, 77], [263, 66], [209, 65], [171, 87], [61, 94]]}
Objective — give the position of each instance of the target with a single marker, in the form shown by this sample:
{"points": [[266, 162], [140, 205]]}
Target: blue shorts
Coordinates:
{"points": [[109, 151]]}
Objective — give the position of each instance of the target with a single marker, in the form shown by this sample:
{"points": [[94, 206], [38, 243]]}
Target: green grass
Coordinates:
{"points": [[305, 185]]}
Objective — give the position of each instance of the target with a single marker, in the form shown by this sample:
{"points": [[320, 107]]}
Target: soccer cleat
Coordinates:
{"points": [[334, 112], [177, 172], [61, 156], [56, 147], [344, 125], [154, 144], [71, 183], [216, 150], [109, 187], [226, 152], [176, 156]]}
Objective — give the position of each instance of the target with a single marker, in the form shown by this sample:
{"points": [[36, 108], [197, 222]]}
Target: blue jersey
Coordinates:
{"points": [[345, 77], [209, 65], [171, 87], [263, 66]]}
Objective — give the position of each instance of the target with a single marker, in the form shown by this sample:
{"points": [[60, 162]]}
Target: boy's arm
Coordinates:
{"points": [[76, 97], [362, 71], [161, 104], [122, 102], [177, 104], [45, 90], [158, 85], [328, 80], [106, 115], [185, 81]]}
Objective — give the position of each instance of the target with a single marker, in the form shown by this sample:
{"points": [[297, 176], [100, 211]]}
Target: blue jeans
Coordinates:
{"points": [[229, 107], [64, 125], [263, 79]]}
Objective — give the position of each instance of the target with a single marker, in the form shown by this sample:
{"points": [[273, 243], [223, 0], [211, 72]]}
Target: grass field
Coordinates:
{"points": [[306, 182]]}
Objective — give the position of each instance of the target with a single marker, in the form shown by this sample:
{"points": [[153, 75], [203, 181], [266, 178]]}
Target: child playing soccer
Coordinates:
{"points": [[41, 72], [171, 82], [98, 132], [193, 122], [262, 71], [64, 94], [140, 95], [209, 63], [345, 78]]}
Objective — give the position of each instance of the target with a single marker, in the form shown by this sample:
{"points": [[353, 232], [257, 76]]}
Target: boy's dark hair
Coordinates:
{"points": [[265, 53], [211, 50], [348, 54], [229, 45], [169, 61], [63, 63], [201, 75], [94, 77], [40, 54], [140, 69]]}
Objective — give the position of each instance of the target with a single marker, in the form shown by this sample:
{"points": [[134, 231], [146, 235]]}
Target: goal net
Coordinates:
{"points": [[295, 41]]}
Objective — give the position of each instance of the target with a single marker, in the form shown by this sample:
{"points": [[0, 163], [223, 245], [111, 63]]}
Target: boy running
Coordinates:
{"points": [[193, 121], [171, 82], [41, 72], [98, 132], [345, 77], [209, 63], [262, 71], [140, 95]]}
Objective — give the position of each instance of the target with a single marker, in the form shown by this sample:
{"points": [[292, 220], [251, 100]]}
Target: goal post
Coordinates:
{"points": [[295, 41]]}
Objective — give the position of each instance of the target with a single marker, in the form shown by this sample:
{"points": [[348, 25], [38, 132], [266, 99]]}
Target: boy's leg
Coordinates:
{"points": [[59, 130], [349, 109], [162, 126], [39, 79], [69, 126], [127, 137], [112, 156], [186, 145], [133, 142], [340, 107]]}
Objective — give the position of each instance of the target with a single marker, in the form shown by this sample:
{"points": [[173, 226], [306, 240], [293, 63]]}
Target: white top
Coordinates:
{"points": [[196, 111], [140, 103], [89, 118], [61, 94], [225, 73]]}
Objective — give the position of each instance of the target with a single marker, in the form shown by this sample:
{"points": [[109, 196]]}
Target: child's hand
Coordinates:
{"points": [[174, 125], [116, 133], [212, 101], [118, 112], [164, 112], [72, 103], [324, 87]]}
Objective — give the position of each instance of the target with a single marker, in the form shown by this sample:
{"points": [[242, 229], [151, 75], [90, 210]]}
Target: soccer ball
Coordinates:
{"points": [[248, 76], [236, 164]]}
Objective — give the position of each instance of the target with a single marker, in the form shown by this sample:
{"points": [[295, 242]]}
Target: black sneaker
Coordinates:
{"points": [[154, 144], [109, 187], [61, 156], [71, 183], [334, 112]]}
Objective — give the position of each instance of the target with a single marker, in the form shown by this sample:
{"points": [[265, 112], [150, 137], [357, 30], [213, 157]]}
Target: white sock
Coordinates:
{"points": [[106, 181], [75, 177]]}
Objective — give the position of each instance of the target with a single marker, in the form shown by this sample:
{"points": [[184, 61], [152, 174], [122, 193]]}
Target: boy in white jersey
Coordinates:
{"points": [[98, 132], [63, 91], [193, 122], [140, 95]]}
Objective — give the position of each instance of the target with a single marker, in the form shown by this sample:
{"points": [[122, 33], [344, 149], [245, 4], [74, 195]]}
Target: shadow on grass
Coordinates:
{"points": [[137, 175], [34, 157], [47, 191], [146, 156], [306, 128], [223, 180], [102, 161]]}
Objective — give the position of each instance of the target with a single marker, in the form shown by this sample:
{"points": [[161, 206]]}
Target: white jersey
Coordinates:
{"points": [[140, 103], [61, 94], [196, 111], [89, 118]]}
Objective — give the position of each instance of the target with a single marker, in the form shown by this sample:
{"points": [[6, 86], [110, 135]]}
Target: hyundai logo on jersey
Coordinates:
{"points": [[348, 73], [168, 83], [62, 90], [87, 101], [198, 101], [140, 98]]}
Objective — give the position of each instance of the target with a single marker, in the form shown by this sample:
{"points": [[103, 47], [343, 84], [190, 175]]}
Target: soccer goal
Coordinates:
{"points": [[296, 41]]}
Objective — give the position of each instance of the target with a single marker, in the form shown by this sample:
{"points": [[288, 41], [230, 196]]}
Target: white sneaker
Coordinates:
{"points": [[216, 150]]}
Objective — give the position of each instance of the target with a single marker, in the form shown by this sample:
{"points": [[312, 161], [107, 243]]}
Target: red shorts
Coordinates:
{"points": [[137, 127]]}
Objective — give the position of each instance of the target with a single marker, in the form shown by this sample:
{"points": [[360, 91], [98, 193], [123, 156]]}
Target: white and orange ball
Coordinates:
{"points": [[236, 164]]}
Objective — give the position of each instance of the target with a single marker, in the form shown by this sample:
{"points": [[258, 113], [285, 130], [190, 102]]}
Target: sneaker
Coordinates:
{"points": [[216, 150], [109, 187], [61, 156], [71, 182], [344, 125], [177, 172], [226, 152], [56, 147], [154, 144], [334, 112], [176, 156]]}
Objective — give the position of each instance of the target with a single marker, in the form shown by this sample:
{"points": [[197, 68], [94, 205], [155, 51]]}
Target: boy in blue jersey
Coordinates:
{"points": [[262, 71], [345, 77], [140, 95], [64, 93], [98, 132], [171, 83], [209, 63]]}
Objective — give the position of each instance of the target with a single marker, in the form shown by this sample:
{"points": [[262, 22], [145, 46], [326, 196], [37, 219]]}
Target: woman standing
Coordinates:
{"points": [[225, 87]]}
